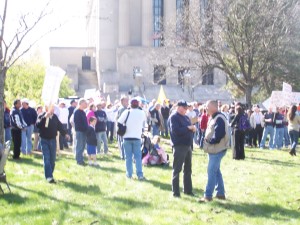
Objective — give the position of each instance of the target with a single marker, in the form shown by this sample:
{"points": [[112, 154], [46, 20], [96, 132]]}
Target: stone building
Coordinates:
{"points": [[129, 51]]}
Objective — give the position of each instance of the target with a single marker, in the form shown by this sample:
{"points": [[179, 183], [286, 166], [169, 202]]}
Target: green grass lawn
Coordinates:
{"points": [[263, 189]]}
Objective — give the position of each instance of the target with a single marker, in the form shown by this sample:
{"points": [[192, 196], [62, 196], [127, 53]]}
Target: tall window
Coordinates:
{"points": [[160, 74], [182, 22], [208, 77], [158, 13], [206, 15]]}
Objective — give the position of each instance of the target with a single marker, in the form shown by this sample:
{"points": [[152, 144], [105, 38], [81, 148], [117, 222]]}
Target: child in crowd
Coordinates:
{"points": [[163, 155], [91, 141]]}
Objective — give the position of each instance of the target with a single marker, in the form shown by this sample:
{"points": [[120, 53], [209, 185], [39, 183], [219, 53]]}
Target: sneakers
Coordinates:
{"points": [[204, 199], [141, 178], [96, 164], [91, 163], [50, 180], [221, 197]]}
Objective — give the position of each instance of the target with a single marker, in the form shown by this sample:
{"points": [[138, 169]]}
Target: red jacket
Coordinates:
{"points": [[203, 121]]}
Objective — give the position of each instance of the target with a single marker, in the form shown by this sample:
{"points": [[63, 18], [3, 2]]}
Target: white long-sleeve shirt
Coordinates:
{"points": [[135, 123]]}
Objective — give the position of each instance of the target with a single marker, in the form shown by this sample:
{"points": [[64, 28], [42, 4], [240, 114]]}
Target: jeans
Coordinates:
{"points": [[110, 130], [49, 156], [268, 130], [155, 130], [133, 147], [121, 146], [202, 138], [26, 145], [294, 135], [80, 145], [278, 138], [286, 137], [101, 137], [62, 140], [215, 179], [7, 134], [182, 156], [165, 133]]}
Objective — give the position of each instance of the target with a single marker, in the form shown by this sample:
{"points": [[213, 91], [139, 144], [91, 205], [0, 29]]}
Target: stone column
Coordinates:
{"points": [[124, 25], [169, 21], [147, 23]]}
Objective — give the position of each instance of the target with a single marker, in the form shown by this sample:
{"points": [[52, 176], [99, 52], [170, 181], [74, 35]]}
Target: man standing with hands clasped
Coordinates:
{"points": [[181, 132]]}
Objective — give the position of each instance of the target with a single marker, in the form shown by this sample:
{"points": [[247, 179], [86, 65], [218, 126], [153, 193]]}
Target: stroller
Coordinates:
{"points": [[150, 155]]}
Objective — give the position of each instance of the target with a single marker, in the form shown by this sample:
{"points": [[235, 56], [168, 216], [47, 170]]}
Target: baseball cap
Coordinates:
{"points": [[182, 103]]}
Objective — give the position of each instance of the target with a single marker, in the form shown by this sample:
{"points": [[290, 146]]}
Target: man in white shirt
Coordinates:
{"points": [[257, 123], [63, 118], [135, 123]]}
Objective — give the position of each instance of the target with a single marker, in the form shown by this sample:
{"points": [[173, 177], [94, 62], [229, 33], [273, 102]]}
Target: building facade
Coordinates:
{"points": [[131, 52]]}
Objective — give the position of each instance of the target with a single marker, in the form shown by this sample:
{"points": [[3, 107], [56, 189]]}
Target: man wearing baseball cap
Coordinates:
{"points": [[181, 132]]}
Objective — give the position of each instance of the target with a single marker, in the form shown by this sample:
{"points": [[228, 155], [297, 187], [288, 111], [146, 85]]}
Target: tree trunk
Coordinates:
{"points": [[248, 93], [3, 71]]}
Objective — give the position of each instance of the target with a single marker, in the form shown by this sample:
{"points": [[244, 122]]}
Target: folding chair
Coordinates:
{"points": [[2, 164]]}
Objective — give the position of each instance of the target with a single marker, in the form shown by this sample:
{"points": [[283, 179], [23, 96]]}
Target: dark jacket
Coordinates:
{"points": [[54, 125], [7, 123], [155, 114], [165, 111], [101, 121], [219, 129], [180, 134], [91, 138], [80, 121], [278, 120], [269, 116], [236, 120], [16, 119], [29, 116]]}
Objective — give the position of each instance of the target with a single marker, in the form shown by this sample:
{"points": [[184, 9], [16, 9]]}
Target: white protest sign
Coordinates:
{"points": [[286, 87], [53, 78], [90, 93]]}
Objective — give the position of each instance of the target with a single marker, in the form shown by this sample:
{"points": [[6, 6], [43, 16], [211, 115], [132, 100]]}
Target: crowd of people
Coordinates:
{"points": [[92, 124]]}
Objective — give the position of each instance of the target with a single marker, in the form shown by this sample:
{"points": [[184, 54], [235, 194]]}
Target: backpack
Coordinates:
{"points": [[244, 123]]}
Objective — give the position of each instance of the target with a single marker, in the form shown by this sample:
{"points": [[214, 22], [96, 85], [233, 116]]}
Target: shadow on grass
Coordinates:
{"points": [[111, 169], [128, 204], [28, 161], [104, 219], [264, 210], [13, 198], [88, 189], [275, 162], [168, 187]]}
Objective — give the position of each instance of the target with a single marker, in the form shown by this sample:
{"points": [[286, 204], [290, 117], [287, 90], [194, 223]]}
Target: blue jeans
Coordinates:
{"points": [[133, 147], [286, 137], [101, 137], [294, 135], [215, 179], [80, 145], [26, 145], [110, 126], [7, 134], [202, 138], [269, 129], [121, 146], [166, 131], [278, 138], [49, 156], [155, 130]]}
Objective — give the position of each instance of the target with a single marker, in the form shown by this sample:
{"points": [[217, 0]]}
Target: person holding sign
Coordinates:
{"points": [[48, 124]]}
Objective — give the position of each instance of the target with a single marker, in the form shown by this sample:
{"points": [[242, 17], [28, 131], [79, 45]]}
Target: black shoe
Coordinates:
{"points": [[51, 181], [81, 164], [176, 195], [190, 194]]}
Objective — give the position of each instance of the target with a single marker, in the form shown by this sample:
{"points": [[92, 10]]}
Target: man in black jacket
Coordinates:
{"points": [[48, 124], [18, 124], [181, 132]]}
